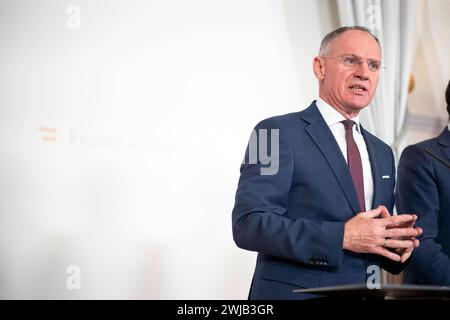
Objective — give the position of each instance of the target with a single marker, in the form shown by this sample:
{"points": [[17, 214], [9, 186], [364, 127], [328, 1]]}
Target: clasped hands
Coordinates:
{"points": [[376, 231]]}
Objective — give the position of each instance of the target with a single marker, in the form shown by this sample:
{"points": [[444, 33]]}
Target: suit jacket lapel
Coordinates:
{"points": [[444, 140], [374, 164], [325, 141]]}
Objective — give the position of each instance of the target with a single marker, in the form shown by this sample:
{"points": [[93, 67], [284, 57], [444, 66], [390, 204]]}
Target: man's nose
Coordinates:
{"points": [[362, 77], [362, 71]]}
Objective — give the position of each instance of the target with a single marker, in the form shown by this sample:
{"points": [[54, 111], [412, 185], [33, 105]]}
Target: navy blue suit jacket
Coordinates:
{"points": [[295, 218], [424, 188]]}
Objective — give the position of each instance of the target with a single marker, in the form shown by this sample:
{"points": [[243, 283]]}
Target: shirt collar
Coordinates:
{"points": [[331, 115]]}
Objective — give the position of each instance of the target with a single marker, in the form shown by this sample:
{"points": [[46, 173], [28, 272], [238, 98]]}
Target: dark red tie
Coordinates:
{"points": [[354, 163]]}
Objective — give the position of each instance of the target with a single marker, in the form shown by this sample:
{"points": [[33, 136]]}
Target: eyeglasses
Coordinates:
{"points": [[350, 60]]}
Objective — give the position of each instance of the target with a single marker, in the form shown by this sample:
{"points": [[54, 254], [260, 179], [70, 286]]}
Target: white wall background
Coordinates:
{"points": [[431, 70], [149, 106], [147, 109]]}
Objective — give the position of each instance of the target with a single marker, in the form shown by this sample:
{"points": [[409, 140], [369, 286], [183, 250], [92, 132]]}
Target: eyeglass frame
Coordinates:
{"points": [[358, 62]]}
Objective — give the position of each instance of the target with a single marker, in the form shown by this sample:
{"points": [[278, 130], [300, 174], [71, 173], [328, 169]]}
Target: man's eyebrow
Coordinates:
{"points": [[354, 54]]}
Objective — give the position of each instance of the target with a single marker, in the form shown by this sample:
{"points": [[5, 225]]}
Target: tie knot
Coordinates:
{"points": [[348, 124]]}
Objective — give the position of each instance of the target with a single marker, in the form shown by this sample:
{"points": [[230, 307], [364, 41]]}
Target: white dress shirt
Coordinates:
{"points": [[333, 119]]}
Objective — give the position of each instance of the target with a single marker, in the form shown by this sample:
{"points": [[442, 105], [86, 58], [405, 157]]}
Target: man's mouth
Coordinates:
{"points": [[358, 88]]}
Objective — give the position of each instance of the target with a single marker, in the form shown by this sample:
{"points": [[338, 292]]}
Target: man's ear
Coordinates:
{"points": [[319, 68]]}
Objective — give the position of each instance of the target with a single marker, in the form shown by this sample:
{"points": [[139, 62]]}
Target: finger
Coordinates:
{"points": [[405, 256], [411, 214], [386, 253], [394, 220], [372, 213], [401, 232], [392, 243], [384, 212], [407, 224]]}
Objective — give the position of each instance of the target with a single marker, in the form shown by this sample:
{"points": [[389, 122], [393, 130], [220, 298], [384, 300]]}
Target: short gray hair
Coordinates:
{"points": [[336, 33]]}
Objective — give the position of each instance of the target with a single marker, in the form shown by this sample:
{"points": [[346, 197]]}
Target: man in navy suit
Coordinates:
{"points": [[424, 186], [317, 209]]}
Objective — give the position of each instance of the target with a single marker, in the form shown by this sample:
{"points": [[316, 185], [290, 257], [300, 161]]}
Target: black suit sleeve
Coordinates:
{"points": [[417, 192]]}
